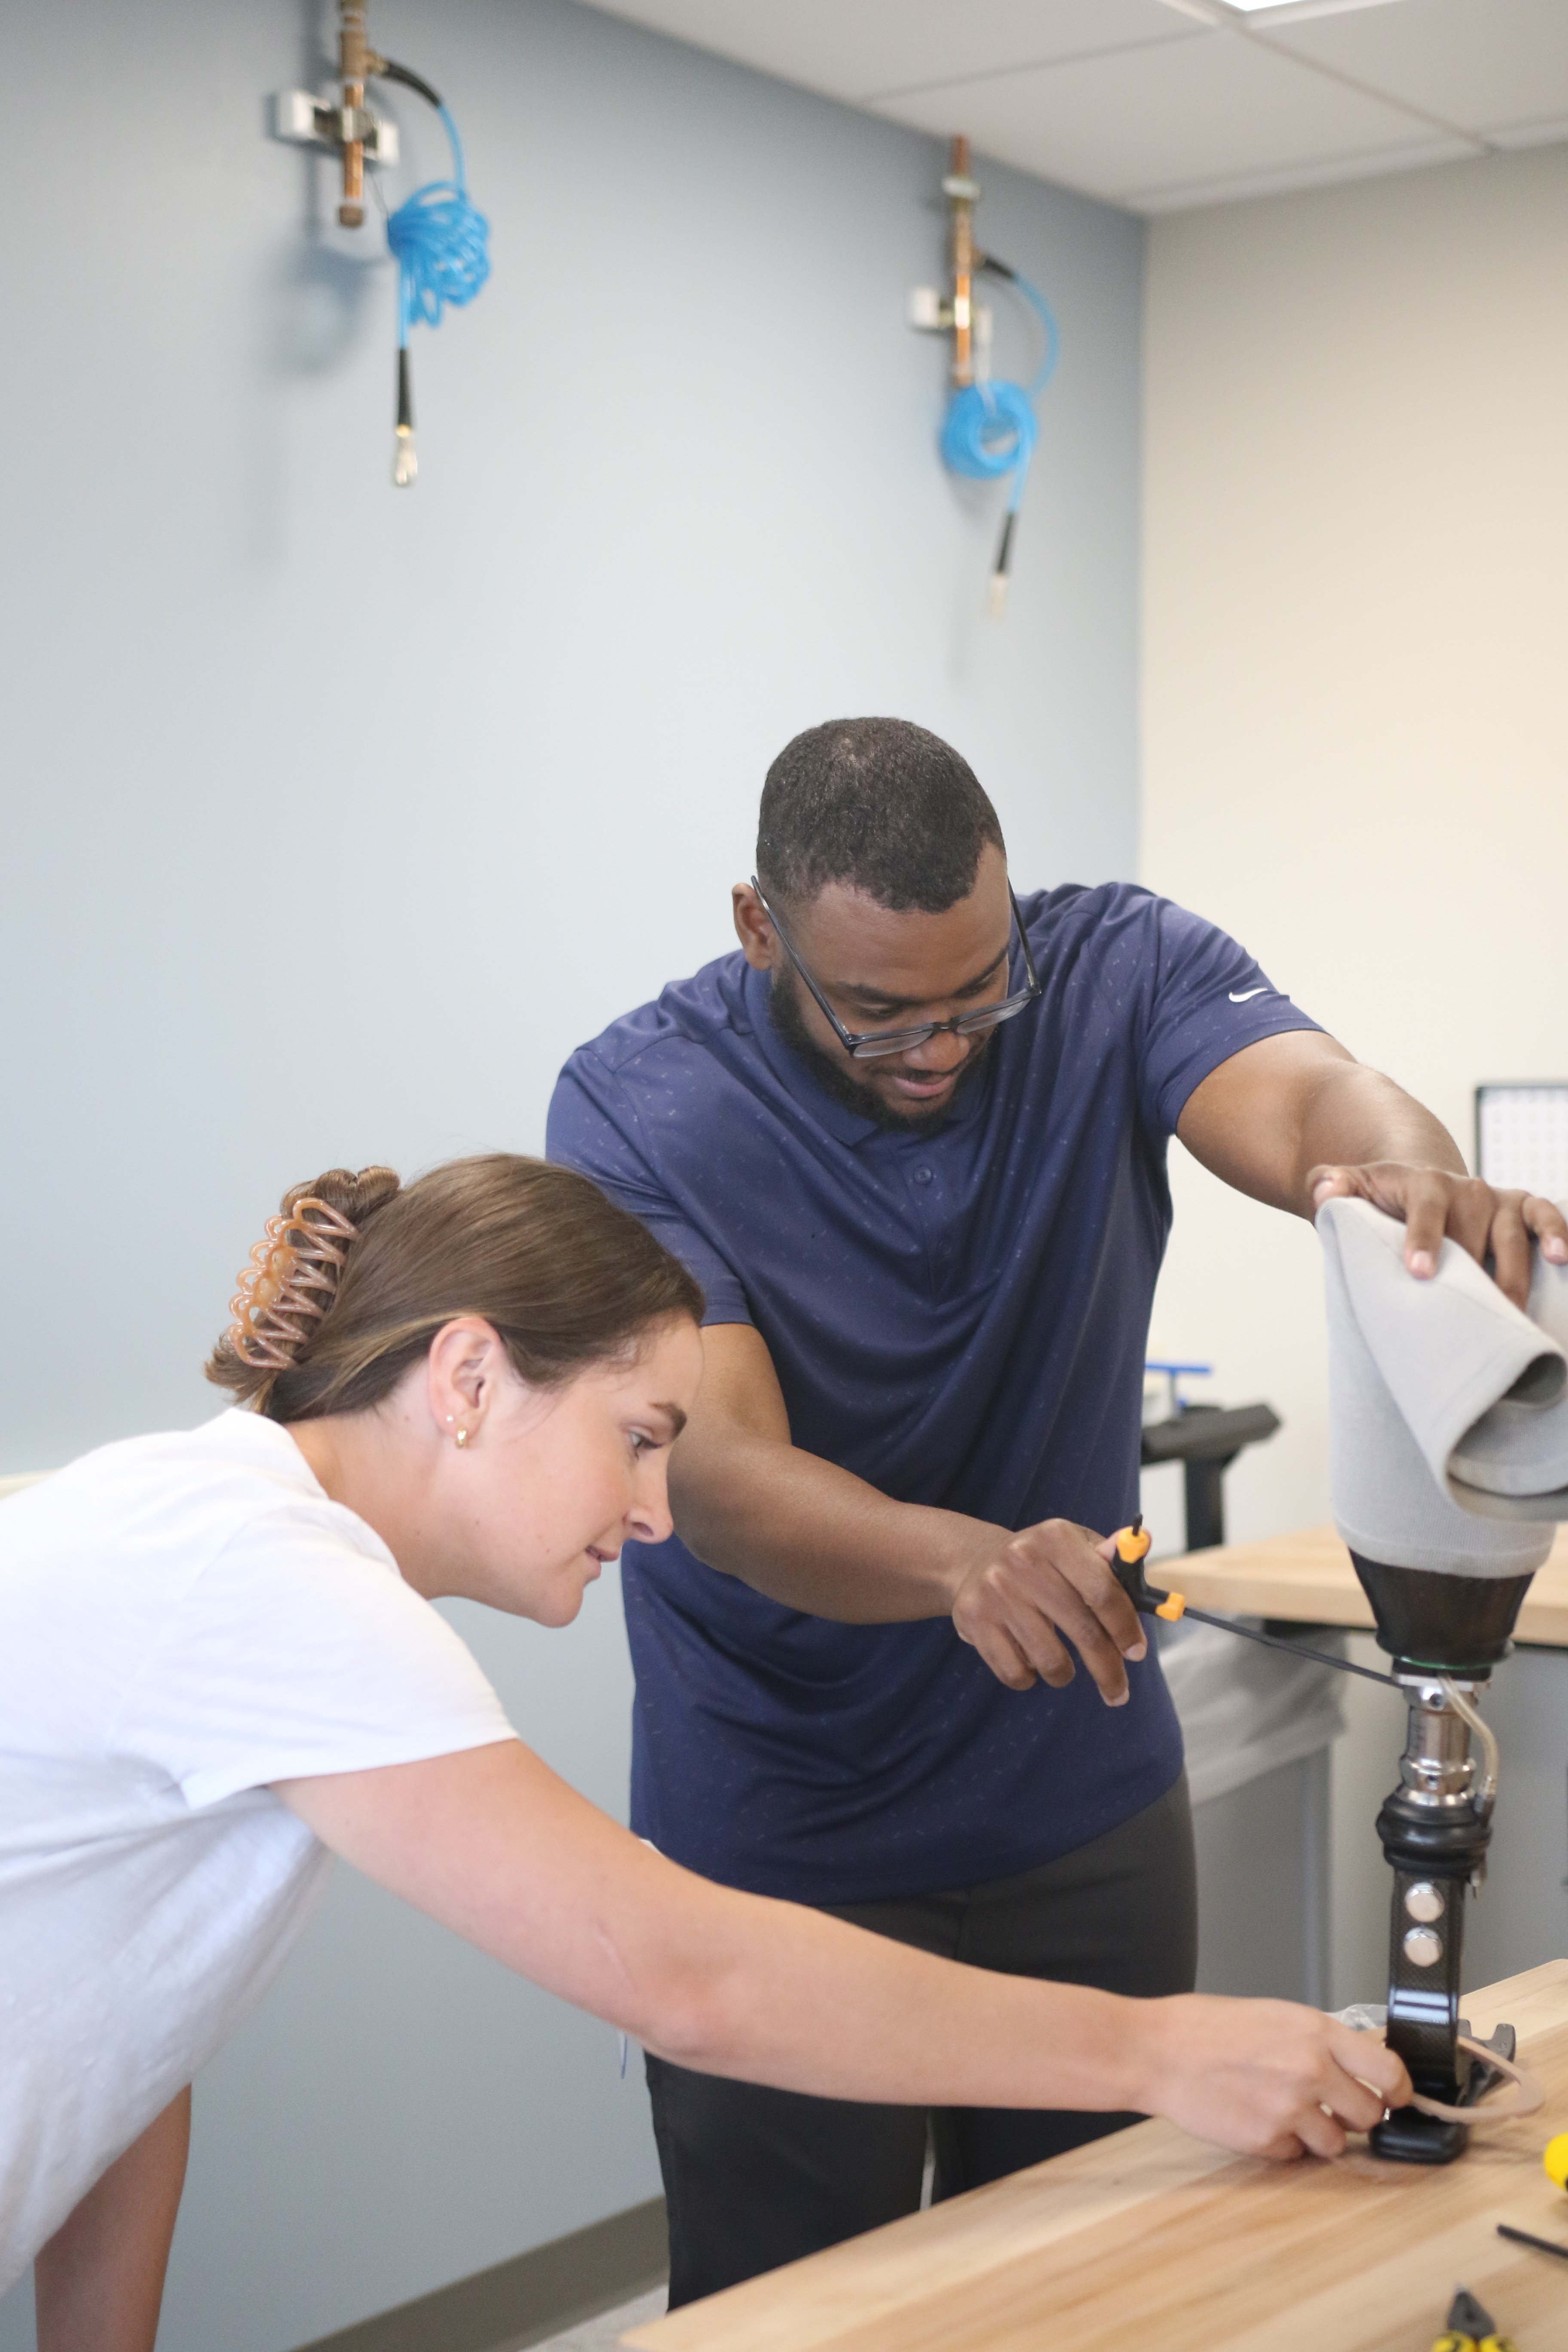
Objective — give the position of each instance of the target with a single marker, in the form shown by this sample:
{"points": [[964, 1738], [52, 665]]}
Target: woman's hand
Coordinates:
{"points": [[1265, 2077]]}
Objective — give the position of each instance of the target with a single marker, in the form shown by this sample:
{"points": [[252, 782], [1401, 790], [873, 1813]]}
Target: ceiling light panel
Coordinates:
{"points": [[1499, 67], [1270, 11], [1142, 124], [858, 49]]}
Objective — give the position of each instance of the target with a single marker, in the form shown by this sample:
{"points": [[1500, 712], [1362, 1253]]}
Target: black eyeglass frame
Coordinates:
{"points": [[869, 1045]]}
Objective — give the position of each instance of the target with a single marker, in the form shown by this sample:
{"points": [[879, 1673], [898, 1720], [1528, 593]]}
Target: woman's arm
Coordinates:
{"points": [[493, 1845], [99, 2282]]}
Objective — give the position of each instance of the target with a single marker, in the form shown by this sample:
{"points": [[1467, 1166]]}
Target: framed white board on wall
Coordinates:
{"points": [[1521, 1136]]}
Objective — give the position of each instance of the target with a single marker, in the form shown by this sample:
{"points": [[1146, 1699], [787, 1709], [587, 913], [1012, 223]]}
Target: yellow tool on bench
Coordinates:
{"points": [[1471, 2328]]}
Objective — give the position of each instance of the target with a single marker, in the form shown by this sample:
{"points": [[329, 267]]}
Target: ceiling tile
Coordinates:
{"points": [[1530, 134], [861, 49], [1480, 65], [1191, 194], [1197, 113]]}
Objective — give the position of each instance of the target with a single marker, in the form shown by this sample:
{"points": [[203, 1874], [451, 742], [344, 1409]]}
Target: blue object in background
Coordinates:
{"points": [[991, 428], [440, 243], [442, 249]]}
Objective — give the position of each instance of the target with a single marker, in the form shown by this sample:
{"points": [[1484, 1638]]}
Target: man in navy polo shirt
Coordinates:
{"points": [[911, 1140]]}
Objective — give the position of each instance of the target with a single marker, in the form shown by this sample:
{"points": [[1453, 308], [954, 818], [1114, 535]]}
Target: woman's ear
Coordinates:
{"points": [[463, 1374]]}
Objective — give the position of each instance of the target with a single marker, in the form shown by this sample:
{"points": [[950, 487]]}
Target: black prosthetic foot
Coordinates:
{"points": [[1408, 2136]]}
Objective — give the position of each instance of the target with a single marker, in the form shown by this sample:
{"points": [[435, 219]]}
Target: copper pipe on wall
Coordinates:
{"points": [[352, 60], [961, 192]]}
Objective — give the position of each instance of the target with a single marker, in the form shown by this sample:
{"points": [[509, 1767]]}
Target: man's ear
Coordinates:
{"points": [[755, 931]]}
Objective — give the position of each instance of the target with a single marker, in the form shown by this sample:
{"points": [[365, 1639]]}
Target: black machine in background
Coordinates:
{"points": [[1205, 1439]]}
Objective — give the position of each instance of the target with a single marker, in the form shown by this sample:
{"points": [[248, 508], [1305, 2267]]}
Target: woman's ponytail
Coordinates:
{"points": [[352, 1279]]}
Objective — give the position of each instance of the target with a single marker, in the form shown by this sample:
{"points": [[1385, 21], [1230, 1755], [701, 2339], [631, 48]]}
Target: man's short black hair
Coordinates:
{"points": [[879, 805]]}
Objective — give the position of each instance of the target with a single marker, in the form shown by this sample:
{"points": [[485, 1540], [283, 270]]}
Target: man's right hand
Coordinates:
{"points": [[1264, 2077], [1027, 1591]]}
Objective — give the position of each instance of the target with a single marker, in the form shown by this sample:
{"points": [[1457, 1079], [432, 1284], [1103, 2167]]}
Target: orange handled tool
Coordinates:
{"points": [[1131, 1550]]}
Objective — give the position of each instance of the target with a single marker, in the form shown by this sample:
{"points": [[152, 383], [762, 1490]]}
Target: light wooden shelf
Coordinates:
{"points": [[1308, 1579]]}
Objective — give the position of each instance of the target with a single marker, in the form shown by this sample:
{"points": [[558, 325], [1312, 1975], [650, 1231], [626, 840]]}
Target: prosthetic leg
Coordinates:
{"points": [[1444, 1633]]}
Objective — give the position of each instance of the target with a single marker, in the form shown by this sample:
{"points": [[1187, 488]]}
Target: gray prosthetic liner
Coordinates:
{"points": [[1448, 1408]]}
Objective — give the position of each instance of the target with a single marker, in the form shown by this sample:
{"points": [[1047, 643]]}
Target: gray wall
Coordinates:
{"points": [[1353, 610], [334, 818]]}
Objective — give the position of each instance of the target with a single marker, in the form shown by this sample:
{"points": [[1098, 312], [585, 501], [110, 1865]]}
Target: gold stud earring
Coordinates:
{"points": [[462, 1437]]}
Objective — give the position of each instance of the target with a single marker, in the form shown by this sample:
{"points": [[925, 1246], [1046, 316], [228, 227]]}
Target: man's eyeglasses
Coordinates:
{"points": [[866, 1045]]}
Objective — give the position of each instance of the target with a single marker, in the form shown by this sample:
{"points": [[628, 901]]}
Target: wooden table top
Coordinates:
{"points": [[1148, 2241], [1309, 1578]]}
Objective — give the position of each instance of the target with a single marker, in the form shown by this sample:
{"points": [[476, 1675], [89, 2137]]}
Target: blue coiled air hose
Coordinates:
{"points": [[991, 429], [441, 245]]}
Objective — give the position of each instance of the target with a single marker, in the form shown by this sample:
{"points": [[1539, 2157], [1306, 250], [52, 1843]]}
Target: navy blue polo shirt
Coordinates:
{"points": [[959, 1318]]}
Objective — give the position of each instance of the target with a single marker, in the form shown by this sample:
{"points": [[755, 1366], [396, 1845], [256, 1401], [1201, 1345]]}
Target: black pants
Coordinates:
{"points": [[753, 2178]]}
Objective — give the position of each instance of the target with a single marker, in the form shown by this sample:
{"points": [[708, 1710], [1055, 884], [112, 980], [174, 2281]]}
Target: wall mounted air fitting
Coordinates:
{"points": [[308, 122], [955, 314], [348, 126], [931, 312], [440, 243]]}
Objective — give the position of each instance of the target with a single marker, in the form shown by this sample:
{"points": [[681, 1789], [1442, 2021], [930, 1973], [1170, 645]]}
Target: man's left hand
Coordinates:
{"points": [[1432, 1203]]}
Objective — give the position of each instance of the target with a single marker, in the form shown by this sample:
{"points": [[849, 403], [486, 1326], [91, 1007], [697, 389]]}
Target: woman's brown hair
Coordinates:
{"points": [[360, 1272]]}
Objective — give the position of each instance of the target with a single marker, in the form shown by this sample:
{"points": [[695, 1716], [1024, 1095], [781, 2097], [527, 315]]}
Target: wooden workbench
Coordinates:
{"points": [[1147, 2241], [1308, 1579]]}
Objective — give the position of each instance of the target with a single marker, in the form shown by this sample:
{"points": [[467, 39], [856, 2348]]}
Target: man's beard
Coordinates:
{"points": [[832, 1075]]}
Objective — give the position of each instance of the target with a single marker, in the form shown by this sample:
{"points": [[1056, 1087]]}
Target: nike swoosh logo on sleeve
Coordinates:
{"points": [[1243, 995]]}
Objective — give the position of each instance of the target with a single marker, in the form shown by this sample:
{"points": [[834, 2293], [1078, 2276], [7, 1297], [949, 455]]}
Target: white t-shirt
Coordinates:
{"points": [[183, 1619]]}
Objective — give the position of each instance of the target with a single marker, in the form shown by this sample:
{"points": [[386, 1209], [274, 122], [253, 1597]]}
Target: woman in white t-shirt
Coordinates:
{"points": [[219, 1666]]}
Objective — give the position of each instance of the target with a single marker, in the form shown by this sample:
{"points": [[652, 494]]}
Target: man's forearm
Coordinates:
{"points": [[1294, 1122], [1265, 1119], [817, 1538], [1356, 1117], [748, 1501]]}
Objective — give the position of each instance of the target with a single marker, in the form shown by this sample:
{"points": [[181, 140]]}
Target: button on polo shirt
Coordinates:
{"points": [[960, 1318]]}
